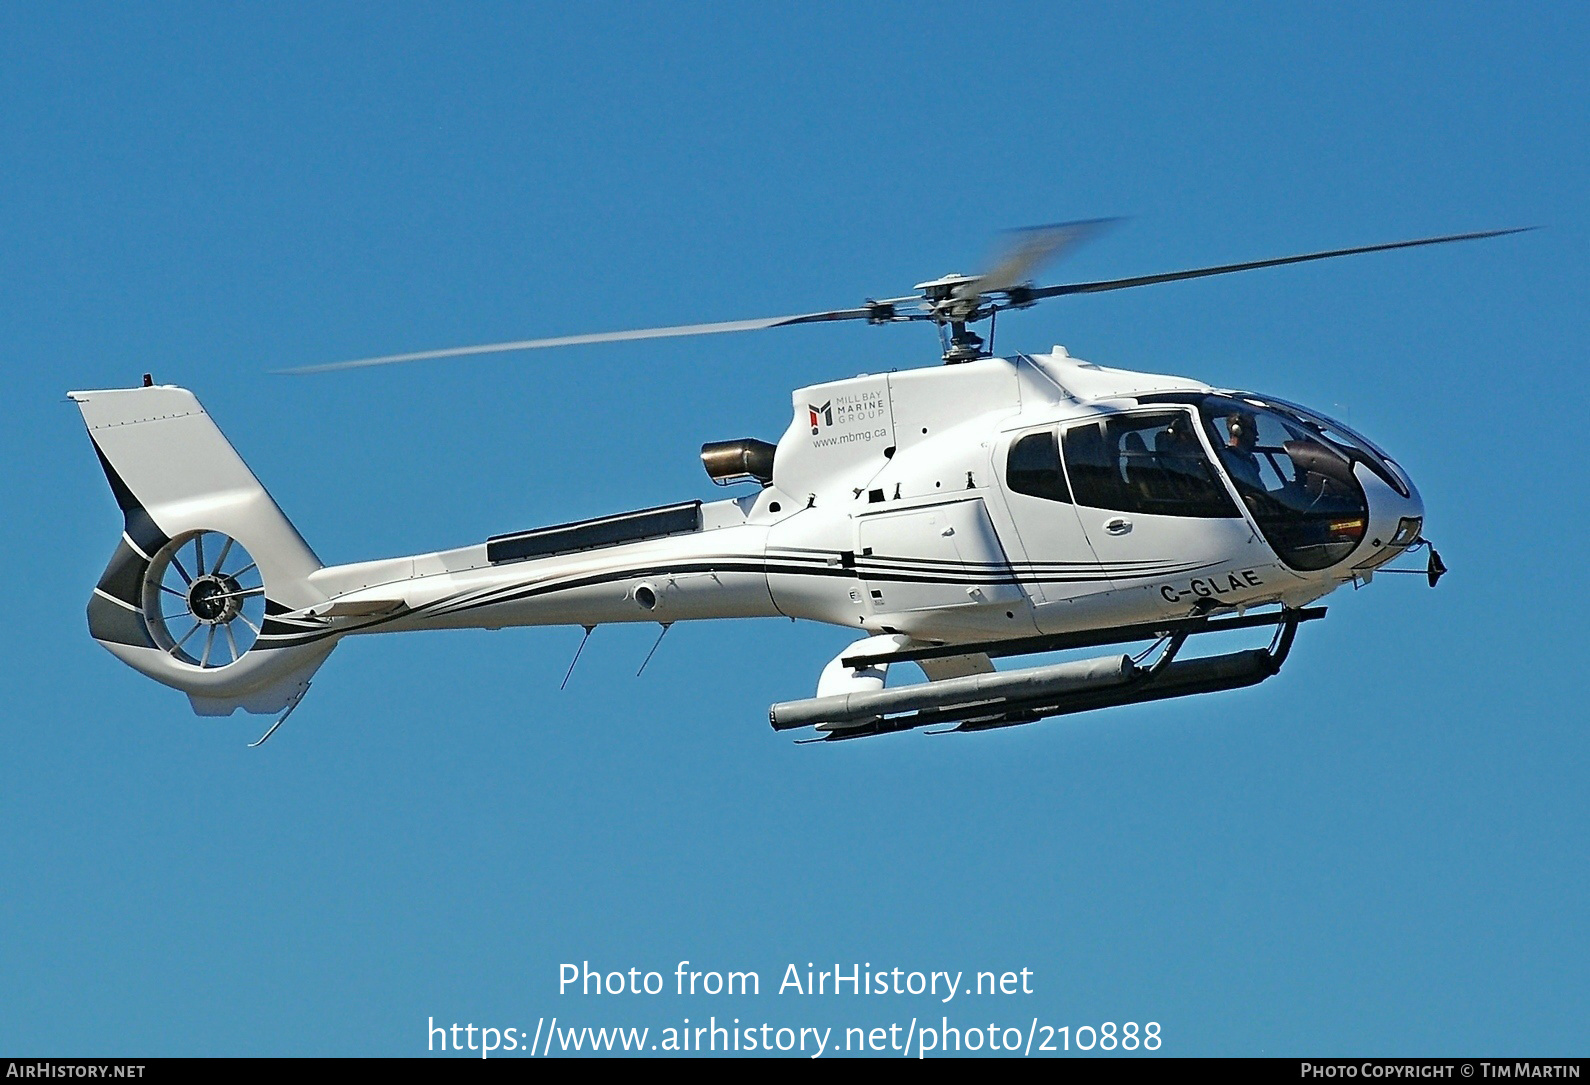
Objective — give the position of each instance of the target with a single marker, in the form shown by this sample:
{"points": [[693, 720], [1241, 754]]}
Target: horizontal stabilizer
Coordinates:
{"points": [[352, 608]]}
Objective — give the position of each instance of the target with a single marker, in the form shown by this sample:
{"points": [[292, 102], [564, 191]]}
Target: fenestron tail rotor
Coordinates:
{"points": [[204, 599], [952, 301]]}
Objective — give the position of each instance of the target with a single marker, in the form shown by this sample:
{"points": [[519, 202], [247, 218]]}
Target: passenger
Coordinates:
{"points": [[1175, 440], [1180, 461]]}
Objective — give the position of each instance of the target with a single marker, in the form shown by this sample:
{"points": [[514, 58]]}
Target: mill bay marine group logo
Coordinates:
{"points": [[858, 416]]}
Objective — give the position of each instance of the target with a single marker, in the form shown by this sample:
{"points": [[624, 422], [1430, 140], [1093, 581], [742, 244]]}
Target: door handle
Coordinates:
{"points": [[1118, 526]]}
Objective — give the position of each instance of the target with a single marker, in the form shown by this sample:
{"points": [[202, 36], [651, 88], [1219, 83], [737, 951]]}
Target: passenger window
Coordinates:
{"points": [[1033, 468], [1150, 464]]}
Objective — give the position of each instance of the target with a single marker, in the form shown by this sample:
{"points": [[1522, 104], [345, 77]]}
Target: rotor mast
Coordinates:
{"points": [[952, 312]]}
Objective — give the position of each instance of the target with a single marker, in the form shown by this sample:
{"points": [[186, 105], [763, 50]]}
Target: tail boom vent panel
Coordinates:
{"points": [[626, 527]]}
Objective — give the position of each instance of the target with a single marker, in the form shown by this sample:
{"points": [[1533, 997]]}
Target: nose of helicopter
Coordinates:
{"points": [[1395, 517]]}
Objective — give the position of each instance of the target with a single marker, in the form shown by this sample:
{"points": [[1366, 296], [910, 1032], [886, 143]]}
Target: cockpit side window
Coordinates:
{"points": [[1033, 467], [1145, 463]]}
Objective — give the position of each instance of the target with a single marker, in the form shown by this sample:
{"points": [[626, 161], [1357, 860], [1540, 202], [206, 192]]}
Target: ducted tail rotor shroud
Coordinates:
{"points": [[204, 599]]}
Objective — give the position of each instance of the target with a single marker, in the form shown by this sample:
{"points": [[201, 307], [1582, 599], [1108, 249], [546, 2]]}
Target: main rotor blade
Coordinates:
{"points": [[1029, 249], [598, 337], [1224, 269]]}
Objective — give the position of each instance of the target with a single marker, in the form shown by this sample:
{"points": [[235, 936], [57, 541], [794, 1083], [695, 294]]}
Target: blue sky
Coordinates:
{"points": [[1381, 851]]}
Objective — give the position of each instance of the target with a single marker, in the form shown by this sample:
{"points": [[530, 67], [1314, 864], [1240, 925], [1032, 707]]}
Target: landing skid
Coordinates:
{"points": [[1009, 698]]}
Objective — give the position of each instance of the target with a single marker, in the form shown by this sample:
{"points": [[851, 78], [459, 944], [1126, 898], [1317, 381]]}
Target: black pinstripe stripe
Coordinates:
{"points": [[820, 564], [799, 553]]}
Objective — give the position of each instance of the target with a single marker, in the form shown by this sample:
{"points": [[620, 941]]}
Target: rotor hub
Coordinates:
{"points": [[215, 599], [204, 599]]}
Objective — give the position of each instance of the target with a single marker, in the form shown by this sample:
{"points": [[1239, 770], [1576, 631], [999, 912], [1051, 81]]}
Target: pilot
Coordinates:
{"points": [[1242, 430]]}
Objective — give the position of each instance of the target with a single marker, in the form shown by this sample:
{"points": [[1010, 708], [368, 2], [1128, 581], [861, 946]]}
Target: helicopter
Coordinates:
{"points": [[987, 508]]}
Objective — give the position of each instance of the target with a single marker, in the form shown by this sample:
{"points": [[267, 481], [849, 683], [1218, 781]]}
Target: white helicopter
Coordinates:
{"points": [[990, 507]]}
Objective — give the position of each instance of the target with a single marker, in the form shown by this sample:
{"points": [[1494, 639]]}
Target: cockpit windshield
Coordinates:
{"points": [[1296, 481], [1357, 446]]}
